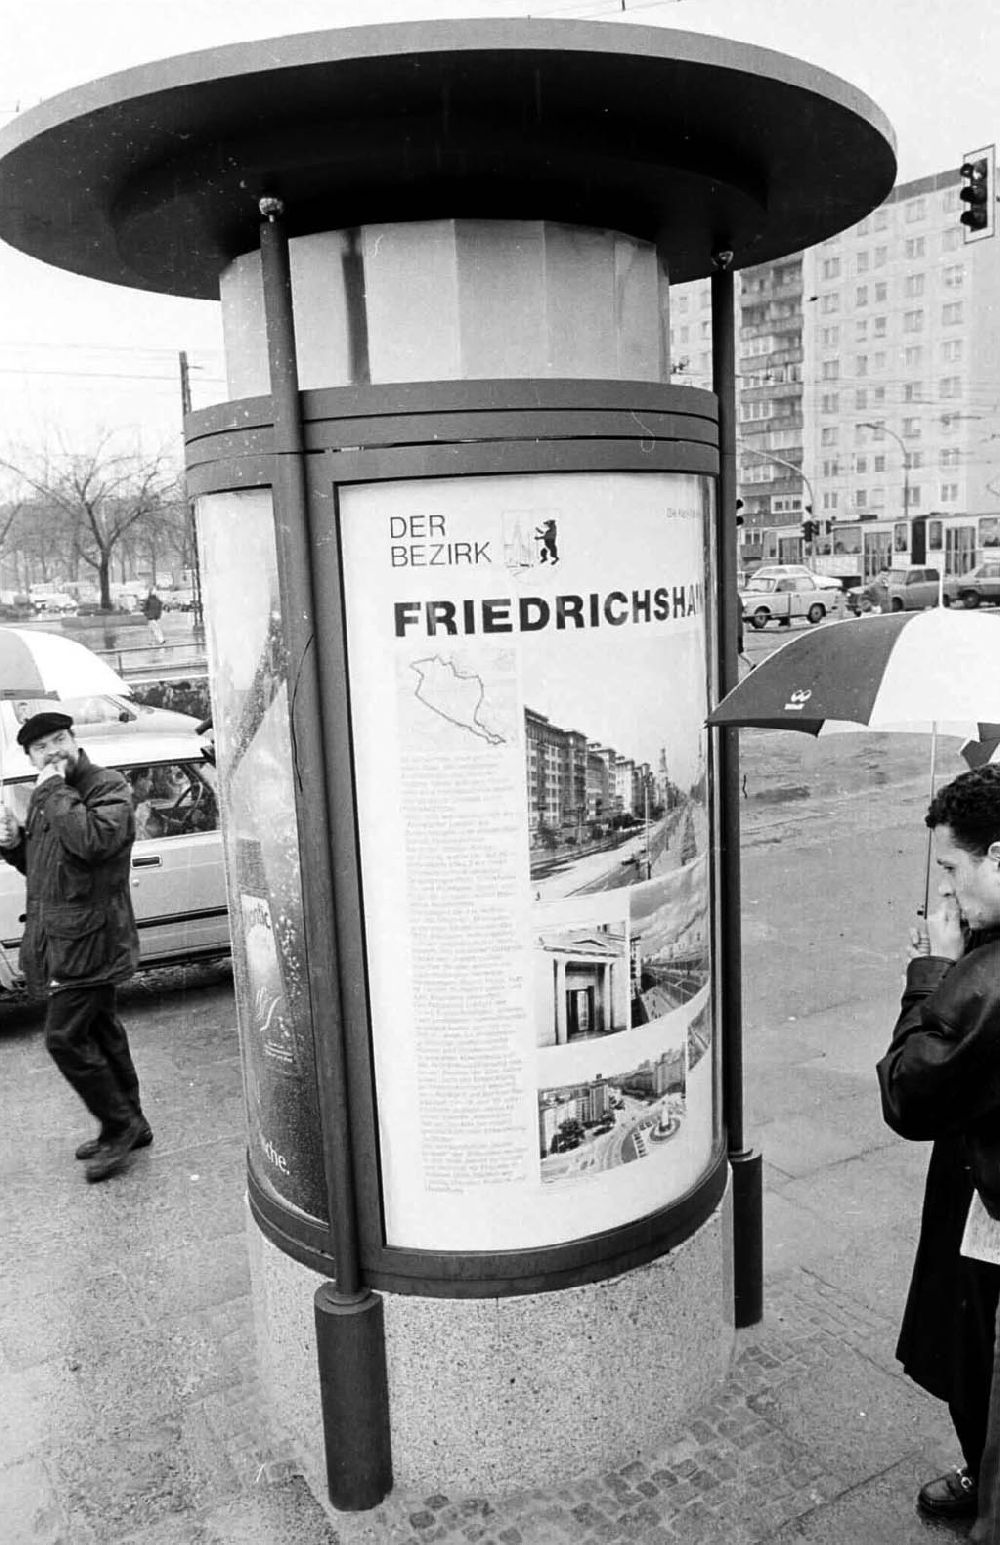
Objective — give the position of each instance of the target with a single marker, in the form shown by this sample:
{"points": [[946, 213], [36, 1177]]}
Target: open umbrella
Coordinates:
{"points": [[47, 665], [936, 671]]}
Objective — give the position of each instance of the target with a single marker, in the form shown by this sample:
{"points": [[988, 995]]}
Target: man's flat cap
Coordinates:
{"points": [[42, 724]]}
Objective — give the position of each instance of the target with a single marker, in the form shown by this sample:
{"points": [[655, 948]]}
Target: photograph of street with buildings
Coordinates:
{"points": [[668, 941], [616, 789], [590, 1127]]}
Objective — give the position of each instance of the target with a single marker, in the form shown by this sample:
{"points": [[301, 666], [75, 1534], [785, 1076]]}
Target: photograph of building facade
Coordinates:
{"points": [[868, 390], [574, 782], [582, 977]]}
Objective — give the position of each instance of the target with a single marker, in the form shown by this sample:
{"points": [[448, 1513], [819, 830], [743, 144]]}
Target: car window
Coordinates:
{"points": [[786, 584], [172, 799], [103, 709], [766, 585]]}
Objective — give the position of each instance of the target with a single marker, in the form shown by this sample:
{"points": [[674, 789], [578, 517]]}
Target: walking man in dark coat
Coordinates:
{"points": [[940, 1081], [80, 937]]}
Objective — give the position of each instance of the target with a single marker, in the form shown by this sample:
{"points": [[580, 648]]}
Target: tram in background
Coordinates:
{"points": [[855, 551]]}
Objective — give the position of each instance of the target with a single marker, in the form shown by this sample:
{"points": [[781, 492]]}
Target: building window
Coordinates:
{"points": [[830, 303], [863, 227], [911, 428], [861, 464], [831, 369], [863, 261], [878, 498], [861, 399], [830, 501], [861, 295], [913, 286], [951, 386], [861, 498], [951, 239], [949, 493], [881, 256], [952, 312], [949, 457], [914, 246], [861, 365], [913, 321], [881, 291], [828, 436], [880, 327], [914, 210], [861, 331], [878, 393], [831, 337], [830, 402], [878, 463], [954, 277], [951, 350], [880, 219], [915, 499], [913, 355], [831, 268], [913, 391]]}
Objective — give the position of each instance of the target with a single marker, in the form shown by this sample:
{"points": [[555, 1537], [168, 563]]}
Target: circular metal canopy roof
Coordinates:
{"points": [[151, 178]]}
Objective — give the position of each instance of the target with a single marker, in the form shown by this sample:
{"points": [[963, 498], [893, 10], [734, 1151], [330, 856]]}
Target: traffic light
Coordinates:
{"points": [[808, 530], [978, 193]]}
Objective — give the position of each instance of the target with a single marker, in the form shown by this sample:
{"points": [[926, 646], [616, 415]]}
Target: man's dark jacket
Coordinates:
{"points": [[75, 853], [940, 1080]]}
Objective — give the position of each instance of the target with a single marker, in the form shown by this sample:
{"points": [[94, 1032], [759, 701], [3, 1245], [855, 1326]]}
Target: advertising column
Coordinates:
{"points": [[528, 675]]}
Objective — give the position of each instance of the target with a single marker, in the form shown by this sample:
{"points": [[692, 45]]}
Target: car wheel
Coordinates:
{"points": [[895, 605], [970, 599], [761, 617], [816, 613]]}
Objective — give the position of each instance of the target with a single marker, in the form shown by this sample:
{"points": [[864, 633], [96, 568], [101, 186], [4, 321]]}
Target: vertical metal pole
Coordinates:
{"points": [[748, 1252], [350, 1338]]}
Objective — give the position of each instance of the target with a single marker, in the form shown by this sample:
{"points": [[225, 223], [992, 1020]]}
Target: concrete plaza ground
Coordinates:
{"points": [[130, 1411]]}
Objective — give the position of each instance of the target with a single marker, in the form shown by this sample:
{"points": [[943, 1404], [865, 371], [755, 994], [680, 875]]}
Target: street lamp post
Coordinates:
{"points": [[792, 467]]}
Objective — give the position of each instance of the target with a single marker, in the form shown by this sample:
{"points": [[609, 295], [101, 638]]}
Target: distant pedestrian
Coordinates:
{"points": [[80, 937], [940, 1082], [152, 610]]}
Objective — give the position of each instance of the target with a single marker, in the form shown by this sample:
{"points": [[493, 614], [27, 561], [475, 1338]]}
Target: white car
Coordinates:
{"points": [[104, 713], [780, 600], [792, 571], [178, 880]]}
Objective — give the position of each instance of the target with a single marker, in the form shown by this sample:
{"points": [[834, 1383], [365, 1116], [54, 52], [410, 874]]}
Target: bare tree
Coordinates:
{"points": [[99, 496]]}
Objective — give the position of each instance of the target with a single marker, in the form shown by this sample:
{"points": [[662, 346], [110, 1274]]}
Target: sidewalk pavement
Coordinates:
{"points": [[130, 1410]]}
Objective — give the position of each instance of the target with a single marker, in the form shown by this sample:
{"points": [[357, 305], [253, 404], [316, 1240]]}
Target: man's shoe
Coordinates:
{"points": [[954, 1495], [92, 1147], [112, 1156]]}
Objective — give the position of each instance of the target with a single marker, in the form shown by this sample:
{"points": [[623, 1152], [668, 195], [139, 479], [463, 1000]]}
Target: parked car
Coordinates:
{"points": [[178, 883], [896, 590], [780, 600], [52, 601], [99, 715], [791, 571], [981, 586]]}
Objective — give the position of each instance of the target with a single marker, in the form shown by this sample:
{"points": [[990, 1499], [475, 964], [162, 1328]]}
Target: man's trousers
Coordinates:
{"points": [[88, 1044]]}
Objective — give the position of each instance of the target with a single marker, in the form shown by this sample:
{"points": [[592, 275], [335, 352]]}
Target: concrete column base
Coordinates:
{"points": [[493, 1395]]}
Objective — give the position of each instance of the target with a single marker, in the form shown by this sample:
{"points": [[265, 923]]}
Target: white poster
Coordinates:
{"points": [[528, 676]]}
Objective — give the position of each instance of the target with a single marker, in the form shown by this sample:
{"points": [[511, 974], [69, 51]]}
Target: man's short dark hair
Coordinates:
{"points": [[970, 806]]}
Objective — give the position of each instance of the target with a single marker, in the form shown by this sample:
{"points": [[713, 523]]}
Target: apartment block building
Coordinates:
{"points": [[868, 378]]}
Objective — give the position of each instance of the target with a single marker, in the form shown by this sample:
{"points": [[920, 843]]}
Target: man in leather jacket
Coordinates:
{"points": [[940, 1081], [80, 937]]}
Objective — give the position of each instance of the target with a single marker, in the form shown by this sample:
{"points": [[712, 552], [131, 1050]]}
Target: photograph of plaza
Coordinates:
{"points": [[590, 1127]]}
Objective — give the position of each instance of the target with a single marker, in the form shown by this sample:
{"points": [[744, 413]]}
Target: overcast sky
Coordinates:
{"points": [[77, 356]]}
